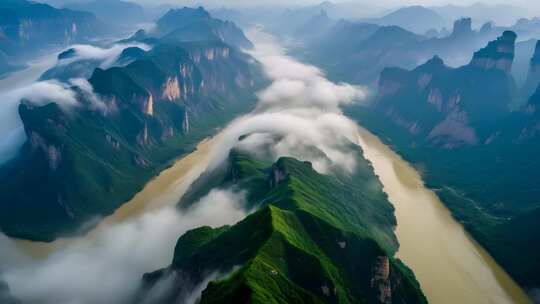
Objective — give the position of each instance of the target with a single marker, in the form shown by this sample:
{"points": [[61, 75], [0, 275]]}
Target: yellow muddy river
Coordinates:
{"points": [[164, 190], [450, 266]]}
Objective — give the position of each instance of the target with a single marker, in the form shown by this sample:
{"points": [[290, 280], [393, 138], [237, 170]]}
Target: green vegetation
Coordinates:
{"points": [[315, 239], [84, 162]]}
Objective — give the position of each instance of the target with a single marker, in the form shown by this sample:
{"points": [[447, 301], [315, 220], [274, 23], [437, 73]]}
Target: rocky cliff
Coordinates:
{"points": [[27, 27], [533, 77], [498, 54]]}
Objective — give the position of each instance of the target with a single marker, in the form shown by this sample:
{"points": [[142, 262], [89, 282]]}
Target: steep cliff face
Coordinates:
{"points": [[463, 27], [304, 245], [27, 27], [533, 77], [498, 54], [449, 107], [87, 160], [479, 152]]}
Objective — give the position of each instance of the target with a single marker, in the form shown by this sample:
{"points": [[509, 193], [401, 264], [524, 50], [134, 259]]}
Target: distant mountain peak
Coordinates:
{"points": [[462, 27], [498, 54]]}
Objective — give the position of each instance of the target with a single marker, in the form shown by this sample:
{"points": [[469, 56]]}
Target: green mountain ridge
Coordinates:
{"points": [[86, 161], [315, 239]]}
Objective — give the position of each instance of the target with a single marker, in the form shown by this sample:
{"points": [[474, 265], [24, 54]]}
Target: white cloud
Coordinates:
{"points": [[107, 56], [299, 114], [106, 267]]}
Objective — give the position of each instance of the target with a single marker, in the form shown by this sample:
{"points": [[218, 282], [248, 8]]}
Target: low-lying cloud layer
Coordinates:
{"points": [[298, 115], [12, 135], [107, 56], [106, 267]]}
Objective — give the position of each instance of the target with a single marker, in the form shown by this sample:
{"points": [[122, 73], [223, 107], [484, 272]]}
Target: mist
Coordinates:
{"points": [[107, 56], [107, 266], [298, 115], [65, 94]]}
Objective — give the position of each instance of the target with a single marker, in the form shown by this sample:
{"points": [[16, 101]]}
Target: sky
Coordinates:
{"points": [[388, 3]]}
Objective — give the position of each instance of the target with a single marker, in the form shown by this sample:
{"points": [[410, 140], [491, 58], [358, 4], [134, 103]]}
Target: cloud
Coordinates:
{"points": [[88, 94], [107, 56], [298, 115], [12, 135], [106, 267]]}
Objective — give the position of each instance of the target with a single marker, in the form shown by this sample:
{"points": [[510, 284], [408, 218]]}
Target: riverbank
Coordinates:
{"points": [[163, 190], [450, 266]]}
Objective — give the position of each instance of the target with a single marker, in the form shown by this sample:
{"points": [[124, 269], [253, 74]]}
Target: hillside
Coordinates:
{"points": [[459, 126], [86, 161], [315, 239]]}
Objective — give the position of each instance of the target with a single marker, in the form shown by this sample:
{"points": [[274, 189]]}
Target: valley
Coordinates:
{"points": [[336, 152], [448, 263]]}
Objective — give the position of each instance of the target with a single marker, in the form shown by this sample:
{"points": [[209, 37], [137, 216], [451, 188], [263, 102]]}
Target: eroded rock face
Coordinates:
{"points": [[149, 105], [171, 89], [498, 54], [277, 176], [435, 98], [51, 152], [380, 280], [210, 54], [454, 131], [462, 27], [185, 123], [533, 78]]}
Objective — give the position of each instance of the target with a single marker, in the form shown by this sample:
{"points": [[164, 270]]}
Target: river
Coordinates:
{"points": [[450, 266], [162, 191]]}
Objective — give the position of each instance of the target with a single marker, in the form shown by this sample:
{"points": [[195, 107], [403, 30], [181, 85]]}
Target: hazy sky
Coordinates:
{"points": [[526, 3]]}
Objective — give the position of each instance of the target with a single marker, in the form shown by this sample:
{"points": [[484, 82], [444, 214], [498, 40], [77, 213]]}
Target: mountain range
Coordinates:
{"points": [[466, 129], [29, 28], [88, 160], [362, 59]]}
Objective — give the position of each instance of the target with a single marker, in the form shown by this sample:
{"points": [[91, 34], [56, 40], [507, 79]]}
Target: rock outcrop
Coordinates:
{"points": [[533, 77], [462, 27], [498, 54], [446, 107]]}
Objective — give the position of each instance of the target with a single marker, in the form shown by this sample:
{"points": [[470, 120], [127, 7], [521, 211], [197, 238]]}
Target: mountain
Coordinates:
{"points": [[197, 24], [478, 150], [417, 19], [357, 52], [117, 12], [444, 105], [533, 76], [314, 239], [27, 28], [522, 62], [484, 12], [87, 160]]}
